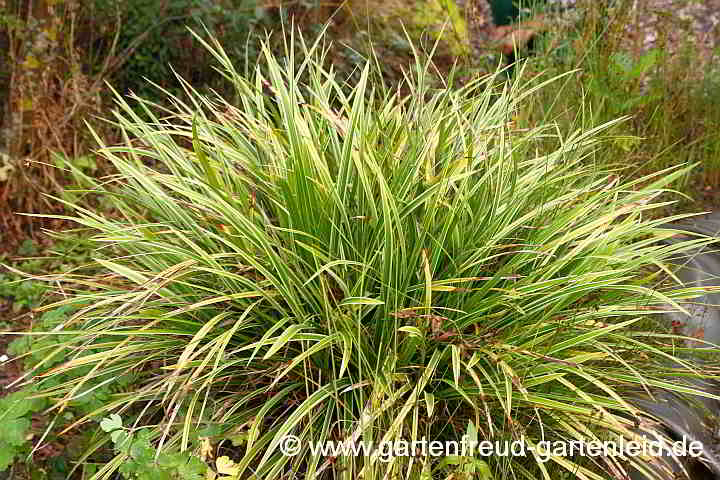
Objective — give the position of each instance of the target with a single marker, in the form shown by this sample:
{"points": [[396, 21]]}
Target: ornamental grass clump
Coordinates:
{"points": [[349, 263]]}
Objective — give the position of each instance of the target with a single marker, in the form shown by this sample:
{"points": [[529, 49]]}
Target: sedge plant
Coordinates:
{"points": [[359, 263]]}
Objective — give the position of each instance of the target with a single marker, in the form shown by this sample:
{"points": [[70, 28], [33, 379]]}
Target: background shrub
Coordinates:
{"points": [[153, 40]]}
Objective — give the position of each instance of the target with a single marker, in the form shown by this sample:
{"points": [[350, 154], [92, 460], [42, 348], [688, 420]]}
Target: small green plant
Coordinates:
{"points": [[18, 280], [15, 412], [626, 75], [46, 351], [141, 461], [18, 408], [23, 293], [464, 466], [24, 285]]}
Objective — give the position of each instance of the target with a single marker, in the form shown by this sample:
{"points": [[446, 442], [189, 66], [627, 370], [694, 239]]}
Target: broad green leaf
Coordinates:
{"points": [[113, 422], [15, 430]]}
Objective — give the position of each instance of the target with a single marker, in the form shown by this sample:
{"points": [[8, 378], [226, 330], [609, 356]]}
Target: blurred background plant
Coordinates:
{"points": [[635, 58]]}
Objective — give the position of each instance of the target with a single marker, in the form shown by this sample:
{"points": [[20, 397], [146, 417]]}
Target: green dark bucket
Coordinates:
{"points": [[504, 12]]}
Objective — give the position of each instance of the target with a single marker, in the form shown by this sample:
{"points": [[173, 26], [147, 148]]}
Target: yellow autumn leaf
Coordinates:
{"points": [[627, 142], [5, 171], [52, 33], [225, 466], [31, 62], [206, 450]]}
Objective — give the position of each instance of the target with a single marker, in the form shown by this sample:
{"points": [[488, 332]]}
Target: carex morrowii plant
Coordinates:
{"points": [[346, 263]]}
